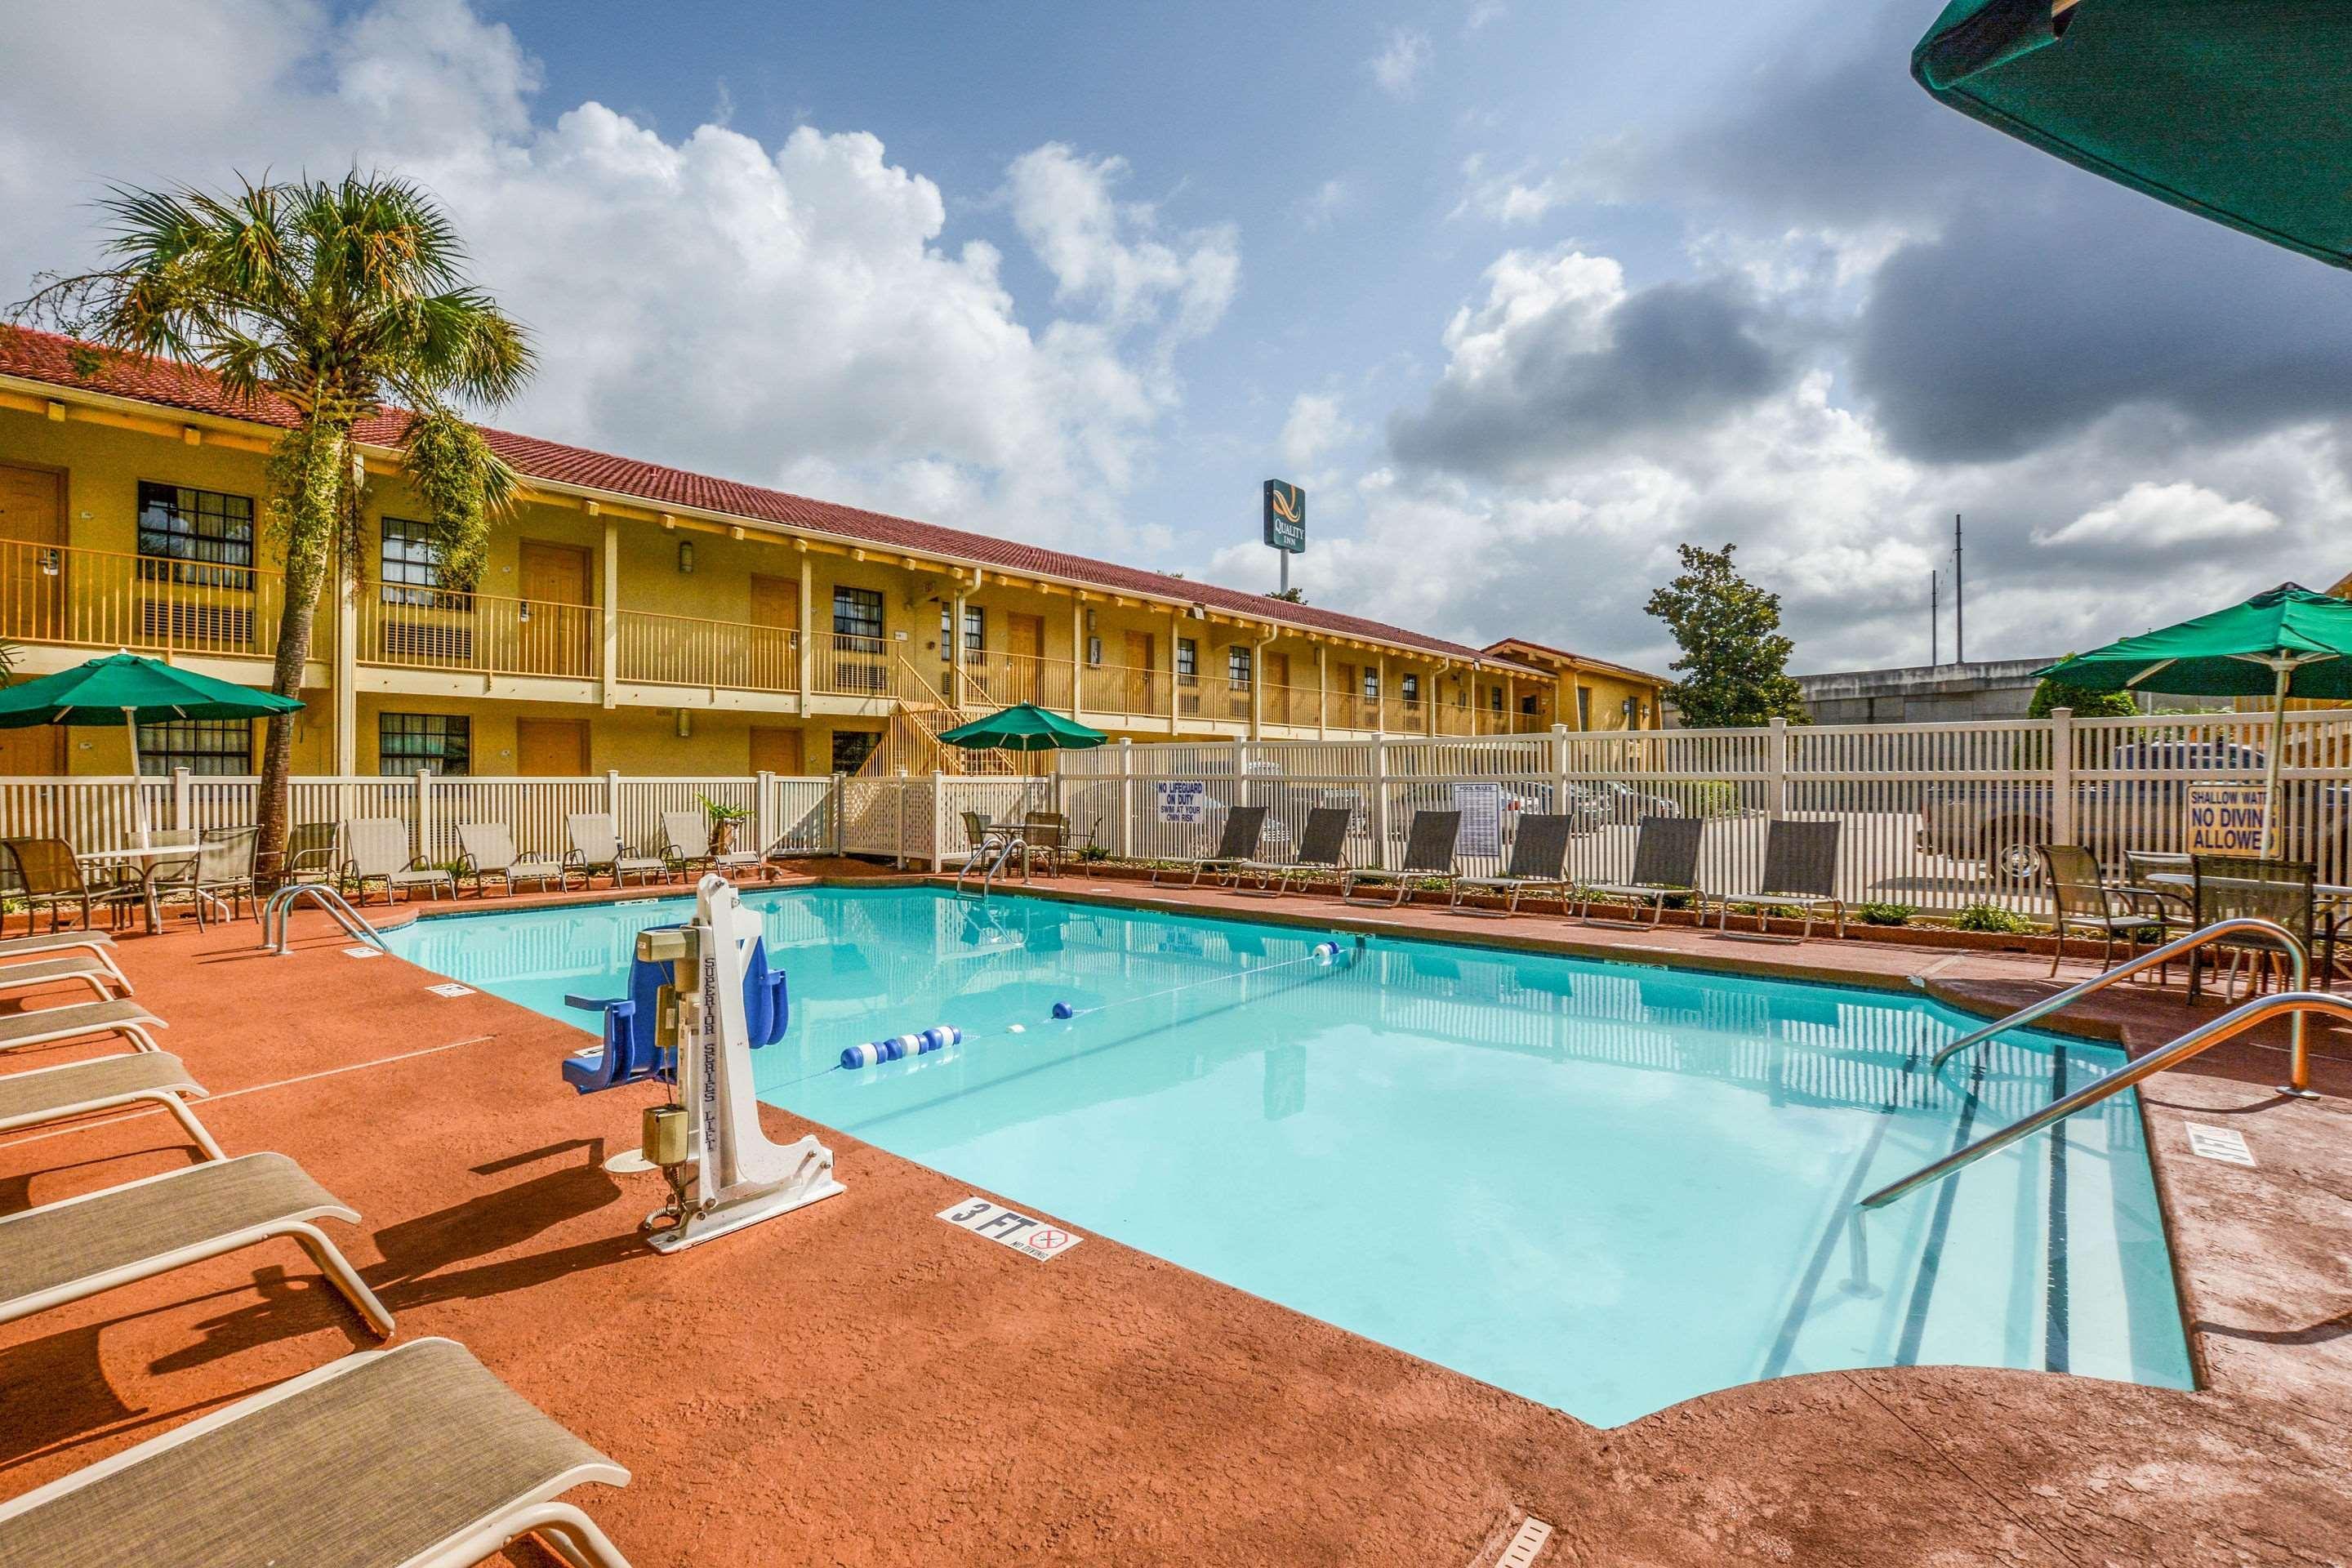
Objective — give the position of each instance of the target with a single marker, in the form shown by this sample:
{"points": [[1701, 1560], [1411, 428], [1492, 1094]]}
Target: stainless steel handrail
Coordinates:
{"points": [[2239, 1020], [280, 910], [2236, 925], [1004, 848]]}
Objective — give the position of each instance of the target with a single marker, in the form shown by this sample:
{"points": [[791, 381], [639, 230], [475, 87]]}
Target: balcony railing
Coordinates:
{"points": [[1123, 688], [433, 629], [992, 680], [681, 650], [1297, 705], [104, 598], [1218, 697], [851, 665]]}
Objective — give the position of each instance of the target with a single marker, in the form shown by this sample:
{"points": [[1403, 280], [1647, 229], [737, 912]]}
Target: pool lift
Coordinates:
{"points": [[702, 999]]}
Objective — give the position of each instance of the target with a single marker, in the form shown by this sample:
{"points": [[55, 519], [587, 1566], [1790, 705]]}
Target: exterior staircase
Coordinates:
{"points": [[911, 738]]}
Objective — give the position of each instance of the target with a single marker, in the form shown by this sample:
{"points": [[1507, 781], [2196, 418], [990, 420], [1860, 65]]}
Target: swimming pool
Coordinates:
{"points": [[1604, 1186]]}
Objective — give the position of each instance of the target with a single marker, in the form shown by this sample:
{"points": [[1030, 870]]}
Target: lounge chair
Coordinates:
{"points": [[102, 977], [96, 942], [686, 837], [411, 1457], [377, 850], [1323, 846], [1236, 846], [1539, 863], [596, 846], [44, 871], [309, 854], [1665, 866], [488, 849], [106, 1083], [47, 1026], [1428, 852], [1800, 872], [80, 1246]]}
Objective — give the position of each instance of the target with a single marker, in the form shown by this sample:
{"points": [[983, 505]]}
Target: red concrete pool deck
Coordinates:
{"points": [[857, 1383]]}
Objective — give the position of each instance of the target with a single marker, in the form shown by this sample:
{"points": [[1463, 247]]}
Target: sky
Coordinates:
{"points": [[1524, 294]]}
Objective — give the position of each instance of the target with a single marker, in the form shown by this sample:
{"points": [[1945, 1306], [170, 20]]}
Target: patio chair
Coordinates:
{"points": [[1539, 863], [97, 943], [1236, 846], [1322, 847], [64, 1251], [2086, 902], [987, 845], [220, 876], [486, 849], [104, 1083], [596, 846], [416, 1456], [1665, 866], [49, 1025], [2282, 891], [46, 872], [2169, 907], [1428, 853], [309, 854], [97, 973], [377, 851], [1800, 872], [1047, 834], [686, 844]]}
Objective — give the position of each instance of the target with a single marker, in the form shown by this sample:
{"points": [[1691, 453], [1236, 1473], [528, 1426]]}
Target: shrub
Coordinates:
{"points": [[1879, 914], [1993, 917], [1711, 798], [1771, 911]]}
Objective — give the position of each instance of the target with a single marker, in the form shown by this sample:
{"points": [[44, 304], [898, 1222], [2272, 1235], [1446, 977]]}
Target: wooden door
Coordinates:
{"points": [[1025, 642], [560, 636], [551, 747], [1274, 699], [1344, 687], [777, 752], [1139, 673], [32, 566], [774, 655], [38, 751]]}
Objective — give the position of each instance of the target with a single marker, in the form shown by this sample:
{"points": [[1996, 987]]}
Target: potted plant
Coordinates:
{"points": [[723, 819]]}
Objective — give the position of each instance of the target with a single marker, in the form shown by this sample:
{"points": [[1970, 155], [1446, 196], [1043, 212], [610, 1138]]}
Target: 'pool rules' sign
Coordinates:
{"points": [[1184, 801], [2226, 818], [1039, 1239]]}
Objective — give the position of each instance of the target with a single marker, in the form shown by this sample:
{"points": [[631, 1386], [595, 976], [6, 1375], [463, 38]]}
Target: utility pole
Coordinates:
{"points": [[1934, 612], [1959, 599]]}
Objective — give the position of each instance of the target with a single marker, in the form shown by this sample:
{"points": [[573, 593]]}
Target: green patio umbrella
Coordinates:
{"points": [[124, 688], [1024, 727], [2288, 642], [2233, 110]]}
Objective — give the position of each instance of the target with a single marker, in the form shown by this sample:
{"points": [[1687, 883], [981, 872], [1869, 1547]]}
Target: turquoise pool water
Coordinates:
{"points": [[1604, 1186]]}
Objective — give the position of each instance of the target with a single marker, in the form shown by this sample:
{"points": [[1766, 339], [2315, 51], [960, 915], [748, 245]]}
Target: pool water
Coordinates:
{"points": [[1604, 1186]]}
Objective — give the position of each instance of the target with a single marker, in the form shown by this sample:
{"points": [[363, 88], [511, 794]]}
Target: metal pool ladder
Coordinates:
{"points": [[1005, 850], [275, 916]]}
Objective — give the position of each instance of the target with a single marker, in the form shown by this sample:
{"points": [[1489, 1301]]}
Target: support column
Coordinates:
{"points": [[612, 617], [1078, 657], [1380, 679], [1175, 697], [1322, 691], [808, 637], [346, 676], [955, 651]]}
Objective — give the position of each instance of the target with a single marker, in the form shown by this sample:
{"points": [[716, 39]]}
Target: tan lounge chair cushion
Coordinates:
{"points": [[78, 1018], [46, 970], [390, 1454], [49, 1090]]}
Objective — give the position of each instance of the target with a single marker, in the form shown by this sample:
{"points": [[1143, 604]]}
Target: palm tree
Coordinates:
{"points": [[340, 299]]}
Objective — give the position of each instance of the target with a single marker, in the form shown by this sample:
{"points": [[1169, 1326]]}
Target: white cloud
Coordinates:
{"points": [[1484, 14], [789, 314], [2151, 516], [1402, 61], [1326, 202], [1313, 431]]}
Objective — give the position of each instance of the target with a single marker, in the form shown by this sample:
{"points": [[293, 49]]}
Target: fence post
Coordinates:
{"points": [[1241, 773], [2061, 776], [613, 798], [1126, 798], [183, 801], [423, 821], [840, 811], [1379, 823], [939, 802], [1776, 772], [763, 824], [1560, 733]]}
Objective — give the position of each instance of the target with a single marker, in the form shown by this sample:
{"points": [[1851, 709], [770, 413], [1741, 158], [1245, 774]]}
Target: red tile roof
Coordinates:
{"points": [[1587, 660], [64, 361]]}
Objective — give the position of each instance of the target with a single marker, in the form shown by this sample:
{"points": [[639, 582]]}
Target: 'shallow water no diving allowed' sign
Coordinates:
{"points": [[2226, 818]]}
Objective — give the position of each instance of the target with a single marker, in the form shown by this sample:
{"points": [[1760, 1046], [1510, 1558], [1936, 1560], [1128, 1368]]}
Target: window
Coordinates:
{"points": [[194, 536], [1532, 705], [436, 743], [1188, 657], [411, 566], [1094, 650], [858, 613], [1584, 708], [214, 746], [1412, 685], [1495, 699], [1237, 665], [975, 632], [1372, 686], [851, 748]]}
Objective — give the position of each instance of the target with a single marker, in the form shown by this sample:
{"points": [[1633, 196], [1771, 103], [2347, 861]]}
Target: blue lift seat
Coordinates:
{"points": [[629, 1054]]}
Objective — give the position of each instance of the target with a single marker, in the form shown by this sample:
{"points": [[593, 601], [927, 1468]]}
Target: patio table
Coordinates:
{"points": [[156, 859], [2334, 893]]}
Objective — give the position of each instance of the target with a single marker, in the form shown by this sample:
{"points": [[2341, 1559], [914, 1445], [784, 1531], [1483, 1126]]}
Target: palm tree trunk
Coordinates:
{"points": [[311, 470]]}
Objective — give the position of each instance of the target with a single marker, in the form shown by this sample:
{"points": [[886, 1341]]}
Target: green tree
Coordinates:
{"points": [[338, 300], [2087, 703], [1734, 661], [1290, 596]]}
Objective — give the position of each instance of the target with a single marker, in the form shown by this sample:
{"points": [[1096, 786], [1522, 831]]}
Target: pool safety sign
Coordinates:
{"points": [[1183, 801], [2226, 818], [1481, 805], [1038, 1239]]}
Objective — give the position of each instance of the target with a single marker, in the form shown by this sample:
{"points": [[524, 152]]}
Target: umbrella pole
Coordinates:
{"points": [[2271, 802], [137, 794]]}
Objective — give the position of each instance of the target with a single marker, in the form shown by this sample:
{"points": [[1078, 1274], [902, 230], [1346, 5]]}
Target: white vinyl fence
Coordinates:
{"points": [[1933, 815]]}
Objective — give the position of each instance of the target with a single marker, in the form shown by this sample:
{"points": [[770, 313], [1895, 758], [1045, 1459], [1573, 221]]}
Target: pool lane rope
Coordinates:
{"points": [[898, 1047], [1323, 955]]}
